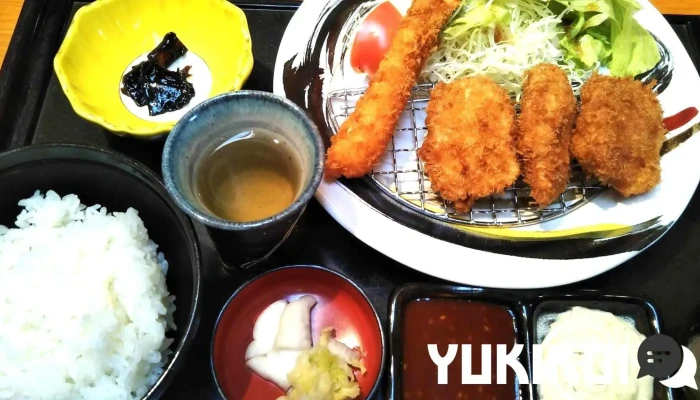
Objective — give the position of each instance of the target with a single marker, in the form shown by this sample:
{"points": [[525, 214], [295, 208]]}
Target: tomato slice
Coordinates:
{"points": [[374, 38]]}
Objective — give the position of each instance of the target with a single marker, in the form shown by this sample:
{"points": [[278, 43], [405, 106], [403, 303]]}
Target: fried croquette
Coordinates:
{"points": [[364, 136], [547, 115], [469, 150], [619, 133]]}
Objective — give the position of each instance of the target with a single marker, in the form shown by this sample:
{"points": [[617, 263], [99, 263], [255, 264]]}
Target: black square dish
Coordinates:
{"points": [[405, 295], [634, 310]]}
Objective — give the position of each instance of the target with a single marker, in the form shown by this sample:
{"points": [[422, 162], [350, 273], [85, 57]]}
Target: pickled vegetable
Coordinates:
{"points": [[151, 84], [169, 50]]}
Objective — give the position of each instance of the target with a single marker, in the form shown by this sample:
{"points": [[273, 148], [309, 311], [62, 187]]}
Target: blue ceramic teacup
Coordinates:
{"points": [[213, 123]]}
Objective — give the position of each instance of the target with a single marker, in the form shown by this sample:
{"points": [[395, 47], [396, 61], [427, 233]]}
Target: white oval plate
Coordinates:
{"points": [[587, 242]]}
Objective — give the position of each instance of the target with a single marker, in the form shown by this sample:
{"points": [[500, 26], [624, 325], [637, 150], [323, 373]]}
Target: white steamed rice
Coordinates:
{"points": [[83, 303]]}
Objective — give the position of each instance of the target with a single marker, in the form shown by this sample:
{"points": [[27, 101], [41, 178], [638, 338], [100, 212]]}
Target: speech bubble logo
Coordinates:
{"points": [[686, 374], [659, 356]]}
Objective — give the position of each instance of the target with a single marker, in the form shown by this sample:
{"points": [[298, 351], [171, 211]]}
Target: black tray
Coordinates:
{"points": [[34, 110]]}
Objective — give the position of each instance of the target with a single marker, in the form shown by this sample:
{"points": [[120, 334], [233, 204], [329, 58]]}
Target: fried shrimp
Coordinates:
{"points": [[619, 133], [548, 111], [469, 151], [364, 136]]}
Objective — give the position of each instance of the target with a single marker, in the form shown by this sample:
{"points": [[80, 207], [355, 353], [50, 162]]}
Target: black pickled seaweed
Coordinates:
{"points": [[169, 50], [165, 90], [132, 85], [151, 84]]}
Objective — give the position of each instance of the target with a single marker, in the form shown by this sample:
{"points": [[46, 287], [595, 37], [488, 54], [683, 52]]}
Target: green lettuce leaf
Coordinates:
{"points": [[605, 32], [604, 7], [595, 21], [634, 50], [576, 28], [593, 50], [481, 14], [588, 51]]}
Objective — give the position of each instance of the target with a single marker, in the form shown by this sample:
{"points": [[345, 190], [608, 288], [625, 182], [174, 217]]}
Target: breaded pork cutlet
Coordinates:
{"points": [[547, 115], [364, 136], [619, 133], [469, 150]]}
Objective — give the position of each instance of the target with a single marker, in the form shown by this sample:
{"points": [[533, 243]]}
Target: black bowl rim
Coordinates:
{"points": [[213, 221], [151, 179], [383, 364]]}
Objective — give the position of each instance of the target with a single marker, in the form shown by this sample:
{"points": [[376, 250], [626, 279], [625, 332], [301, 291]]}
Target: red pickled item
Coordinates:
{"points": [[680, 119]]}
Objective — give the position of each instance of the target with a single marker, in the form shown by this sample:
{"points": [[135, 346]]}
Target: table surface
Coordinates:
{"points": [[10, 9]]}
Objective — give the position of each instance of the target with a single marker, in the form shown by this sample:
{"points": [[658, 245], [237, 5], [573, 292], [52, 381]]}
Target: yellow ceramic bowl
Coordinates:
{"points": [[107, 36]]}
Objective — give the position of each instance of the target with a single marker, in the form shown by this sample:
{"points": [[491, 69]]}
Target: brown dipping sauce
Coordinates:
{"points": [[445, 322]]}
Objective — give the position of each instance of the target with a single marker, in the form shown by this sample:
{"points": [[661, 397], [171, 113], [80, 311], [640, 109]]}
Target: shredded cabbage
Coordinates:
{"points": [[501, 39]]}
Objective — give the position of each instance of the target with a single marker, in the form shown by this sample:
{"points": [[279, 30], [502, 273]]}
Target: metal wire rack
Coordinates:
{"points": [[400, 173]]}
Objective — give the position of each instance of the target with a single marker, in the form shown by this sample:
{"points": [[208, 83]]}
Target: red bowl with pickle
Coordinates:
{"points": [[298, 331]]}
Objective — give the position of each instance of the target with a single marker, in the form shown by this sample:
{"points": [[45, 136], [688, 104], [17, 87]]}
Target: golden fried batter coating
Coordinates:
{"points": [[469, 150], [619, 134], [548, 111], [364, 136]]}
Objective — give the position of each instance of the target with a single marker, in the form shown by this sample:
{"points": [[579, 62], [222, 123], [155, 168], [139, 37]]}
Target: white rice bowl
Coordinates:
{"points": [[84, 306]]}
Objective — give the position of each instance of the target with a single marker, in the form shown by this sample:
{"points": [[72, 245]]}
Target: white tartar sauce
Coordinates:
{"points": [[567, 352]]}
